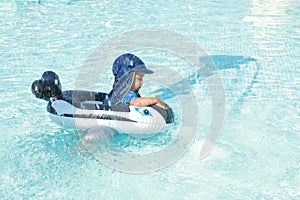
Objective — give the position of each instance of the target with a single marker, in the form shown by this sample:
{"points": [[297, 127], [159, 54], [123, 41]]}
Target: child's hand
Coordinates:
{"points": [[146, 101], [161, 104]]}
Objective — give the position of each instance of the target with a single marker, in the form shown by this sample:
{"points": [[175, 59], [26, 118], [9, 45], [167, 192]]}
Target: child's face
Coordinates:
{"points": [[138, 81]]}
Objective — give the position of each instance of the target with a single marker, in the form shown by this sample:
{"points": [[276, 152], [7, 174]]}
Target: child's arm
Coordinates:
{"points": [[146, 101]]}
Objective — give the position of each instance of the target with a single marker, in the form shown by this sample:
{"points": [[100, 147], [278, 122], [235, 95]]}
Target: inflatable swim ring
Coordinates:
{"points": [[87, 109]]}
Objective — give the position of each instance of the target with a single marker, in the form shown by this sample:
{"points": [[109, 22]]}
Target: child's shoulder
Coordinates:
{"points": [[130, 95]]}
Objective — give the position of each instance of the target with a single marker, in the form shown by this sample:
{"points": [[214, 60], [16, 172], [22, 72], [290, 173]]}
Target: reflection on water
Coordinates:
{"points": [[268, 19]]}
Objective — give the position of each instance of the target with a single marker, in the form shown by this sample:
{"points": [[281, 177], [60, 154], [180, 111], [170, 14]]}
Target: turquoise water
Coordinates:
{"points": [[255, 46]]}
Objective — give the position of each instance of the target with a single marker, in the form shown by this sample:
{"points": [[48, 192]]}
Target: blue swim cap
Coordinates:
{"points": [[127, 62], [124, 68]]}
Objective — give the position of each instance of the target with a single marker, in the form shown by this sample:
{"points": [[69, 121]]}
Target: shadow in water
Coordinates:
{"points": [[221, 63]]}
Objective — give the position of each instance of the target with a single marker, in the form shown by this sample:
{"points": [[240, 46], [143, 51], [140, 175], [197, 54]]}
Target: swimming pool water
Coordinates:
{"points": [[255, 47]]}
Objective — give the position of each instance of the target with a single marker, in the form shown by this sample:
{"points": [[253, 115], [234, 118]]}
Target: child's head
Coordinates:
{"points": [[129, 71]]}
